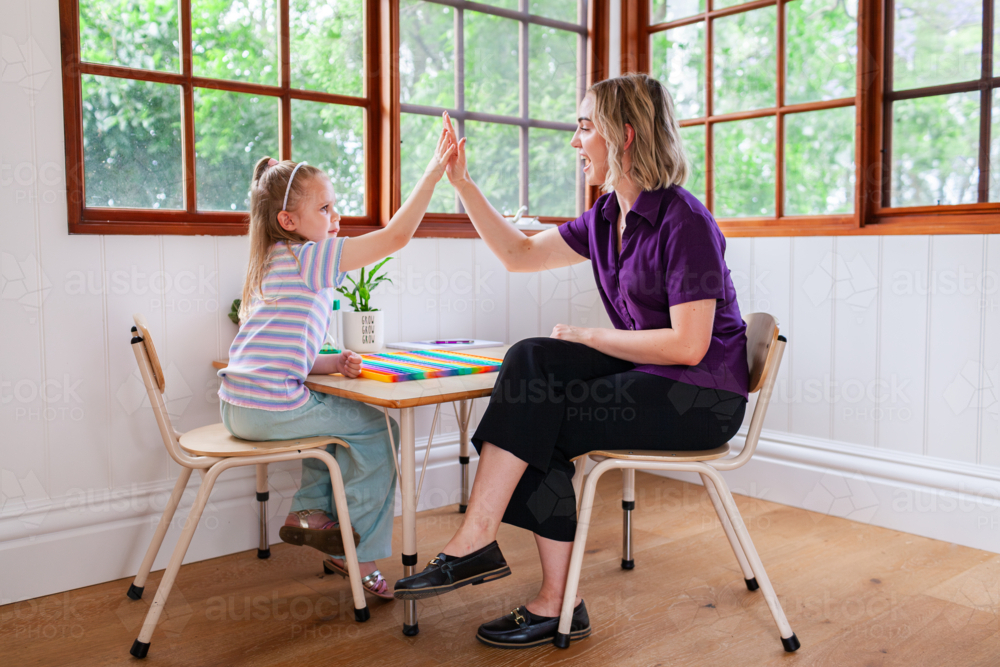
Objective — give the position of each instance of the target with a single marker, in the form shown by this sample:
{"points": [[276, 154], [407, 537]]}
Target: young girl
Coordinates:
{"points": [[296, 259]]}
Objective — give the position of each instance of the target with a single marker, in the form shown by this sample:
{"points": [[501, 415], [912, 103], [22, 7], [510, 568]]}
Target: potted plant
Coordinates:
{"points": [[364, 330]]}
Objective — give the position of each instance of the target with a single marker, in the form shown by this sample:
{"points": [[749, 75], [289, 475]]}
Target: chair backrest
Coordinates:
{"points": [[155, 381], [765, 347], [762, 332]]}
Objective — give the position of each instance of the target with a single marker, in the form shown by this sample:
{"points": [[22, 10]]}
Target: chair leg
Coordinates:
{"points": [[140, 647], [628, 504], [462, 413], [579, 474], [788, 638], [361, 613], [135, 589], [263, 495], [727, 526], [562, 638]]}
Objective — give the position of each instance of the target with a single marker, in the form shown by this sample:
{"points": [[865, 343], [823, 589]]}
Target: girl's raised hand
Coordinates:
{"points": [[442, 154], [457, 168]]}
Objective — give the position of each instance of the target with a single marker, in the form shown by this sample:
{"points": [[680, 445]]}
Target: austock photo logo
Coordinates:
{"points": [[23, 64], [23, 282]]}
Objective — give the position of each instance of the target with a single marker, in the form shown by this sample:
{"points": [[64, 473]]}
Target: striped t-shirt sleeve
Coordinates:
{"points": [[320, 263]]}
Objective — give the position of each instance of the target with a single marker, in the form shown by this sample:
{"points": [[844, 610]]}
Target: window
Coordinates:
{"points": [[510, 74], [941, 127], [171, 102], [782, 144], [765, 93]]}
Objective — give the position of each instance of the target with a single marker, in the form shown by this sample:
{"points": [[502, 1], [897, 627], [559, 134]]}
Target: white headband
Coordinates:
{"points": [[288, 188]]}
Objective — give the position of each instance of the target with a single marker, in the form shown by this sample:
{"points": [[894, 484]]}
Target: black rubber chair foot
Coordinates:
{"points": [[462, 508], [561, 640], [791, 644], [752, 584], [140, 649], [135, 592], [263, 553], [411, 630], [628, 564], [362, 615]]}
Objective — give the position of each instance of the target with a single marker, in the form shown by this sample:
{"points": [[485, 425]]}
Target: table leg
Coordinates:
{"points": [[464, 411], [407, 484]]}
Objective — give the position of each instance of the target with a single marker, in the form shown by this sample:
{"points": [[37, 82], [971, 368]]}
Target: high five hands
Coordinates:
{"points": [[444, 153], [457, 167]]}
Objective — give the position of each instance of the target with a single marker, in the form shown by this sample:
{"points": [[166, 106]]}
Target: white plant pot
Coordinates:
{"points": [[364, 332]]}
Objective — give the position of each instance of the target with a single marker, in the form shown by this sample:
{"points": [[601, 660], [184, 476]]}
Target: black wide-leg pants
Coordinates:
{"points": [[555, 400]]}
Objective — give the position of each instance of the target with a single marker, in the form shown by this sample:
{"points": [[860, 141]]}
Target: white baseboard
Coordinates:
{"points": [[86, 538], [936, 498], [104, 535]]}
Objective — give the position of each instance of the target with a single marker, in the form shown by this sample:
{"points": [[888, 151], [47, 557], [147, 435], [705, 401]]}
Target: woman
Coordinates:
{"points": [[672, 374]]}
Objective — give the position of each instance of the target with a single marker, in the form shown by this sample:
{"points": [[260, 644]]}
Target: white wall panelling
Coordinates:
{"points": [[891, 371]]}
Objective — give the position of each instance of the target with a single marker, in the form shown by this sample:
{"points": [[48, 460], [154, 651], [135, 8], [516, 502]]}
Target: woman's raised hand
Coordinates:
{"points": [[457, 168], [442, 155]]}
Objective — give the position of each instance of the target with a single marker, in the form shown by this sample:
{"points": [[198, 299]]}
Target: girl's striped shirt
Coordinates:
{"points": [[277, 345]]}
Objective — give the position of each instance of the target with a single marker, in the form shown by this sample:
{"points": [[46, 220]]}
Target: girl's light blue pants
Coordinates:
{"points": [[366, 466]]}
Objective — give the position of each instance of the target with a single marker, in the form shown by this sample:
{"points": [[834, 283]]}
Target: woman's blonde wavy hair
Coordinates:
{"points": [[658, 158], [267, 193]]}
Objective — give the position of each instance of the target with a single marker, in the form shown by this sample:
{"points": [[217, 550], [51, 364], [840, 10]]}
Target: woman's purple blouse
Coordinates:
{"points": [[672, 253]]}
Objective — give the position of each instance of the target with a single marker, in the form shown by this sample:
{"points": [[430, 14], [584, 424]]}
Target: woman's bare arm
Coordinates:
{"points": [[516, 251], [684, 343]]}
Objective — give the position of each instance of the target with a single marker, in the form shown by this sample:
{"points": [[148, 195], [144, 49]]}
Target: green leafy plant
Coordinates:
{"points": [[364, 286], [234, 311]]}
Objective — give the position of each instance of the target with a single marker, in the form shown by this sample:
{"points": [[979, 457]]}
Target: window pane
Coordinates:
{"points": [[326, 44], [564, 10], [745, 64], [935, 150], [662, 11], [694, 145], [491, 64], [120, 32], [995, 148], [722, 4], [426, 54], [552, 74], [332, 138], [494, 162], [677, 59], [822, 50], [937, 42], [505, 4], [552, 168], [132, 143], [419, 136], [235, 39], [744, 168], [232, 131], [819, 162]]}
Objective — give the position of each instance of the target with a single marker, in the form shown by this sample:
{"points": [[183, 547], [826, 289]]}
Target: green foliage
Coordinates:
{"points": [[234, 311], [364, 286]]}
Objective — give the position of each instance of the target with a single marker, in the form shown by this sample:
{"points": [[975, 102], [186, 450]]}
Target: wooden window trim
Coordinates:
{"points": [[190, 221], [870, 216]]}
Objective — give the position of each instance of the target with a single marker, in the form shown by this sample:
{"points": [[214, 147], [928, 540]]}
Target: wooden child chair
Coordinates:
{"points": [[211, 450], [764, 350]]}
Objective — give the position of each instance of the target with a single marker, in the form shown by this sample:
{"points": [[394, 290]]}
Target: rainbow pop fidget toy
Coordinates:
{"points": [[422, 365]]}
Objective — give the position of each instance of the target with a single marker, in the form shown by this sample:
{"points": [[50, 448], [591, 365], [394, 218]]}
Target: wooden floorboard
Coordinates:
{"points": [[854, 594]]}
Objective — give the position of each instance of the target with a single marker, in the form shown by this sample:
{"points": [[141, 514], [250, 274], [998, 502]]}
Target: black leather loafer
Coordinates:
{"points": [[446, 573], [522, 629]]}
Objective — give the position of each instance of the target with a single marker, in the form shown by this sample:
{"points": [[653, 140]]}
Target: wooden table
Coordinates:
{"points": [[405, 396]]}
